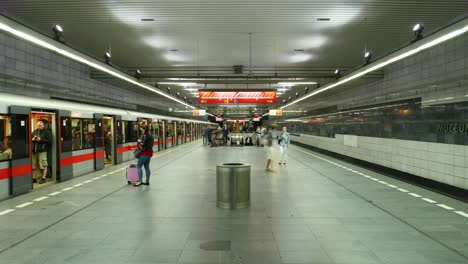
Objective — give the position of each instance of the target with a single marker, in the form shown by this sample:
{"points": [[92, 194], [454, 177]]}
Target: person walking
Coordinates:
{"points": [[146, 146], [283, 141], [41, 138]]}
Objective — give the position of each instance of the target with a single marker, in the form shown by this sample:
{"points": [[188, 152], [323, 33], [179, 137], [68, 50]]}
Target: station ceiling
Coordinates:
{"points": [[200, 41]]}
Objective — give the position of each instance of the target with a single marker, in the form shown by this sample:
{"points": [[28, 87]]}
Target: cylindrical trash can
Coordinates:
{"points": [[233, 185]]}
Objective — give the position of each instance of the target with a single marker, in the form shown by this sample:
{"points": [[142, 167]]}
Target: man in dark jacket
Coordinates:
{"points": [[41, 139]]}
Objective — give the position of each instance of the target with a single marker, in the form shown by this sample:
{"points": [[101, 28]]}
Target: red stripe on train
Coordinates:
{"points": [[67, 161], [126, 149], [15, 171], [5, 173]]}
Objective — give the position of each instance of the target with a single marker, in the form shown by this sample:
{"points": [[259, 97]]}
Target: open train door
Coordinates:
{"points": [[65, 170], [98, 142], [21, 167]]}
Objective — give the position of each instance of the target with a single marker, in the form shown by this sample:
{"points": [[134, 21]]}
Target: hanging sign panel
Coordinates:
{"points": [[199, 112], [276, 112], [237, 97]]}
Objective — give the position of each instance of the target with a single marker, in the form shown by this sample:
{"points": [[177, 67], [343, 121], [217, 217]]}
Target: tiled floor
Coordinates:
{"points": [[308, 211]]}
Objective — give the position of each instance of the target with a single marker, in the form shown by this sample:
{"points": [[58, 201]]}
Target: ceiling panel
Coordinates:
{"points": [[221, 33]]}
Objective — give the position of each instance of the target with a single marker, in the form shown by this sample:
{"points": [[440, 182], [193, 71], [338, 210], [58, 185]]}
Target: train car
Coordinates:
{"points": [[84, 138]]}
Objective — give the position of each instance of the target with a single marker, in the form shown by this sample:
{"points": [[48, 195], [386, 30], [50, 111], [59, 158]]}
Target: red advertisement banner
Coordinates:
{"points": [[218, 97]]}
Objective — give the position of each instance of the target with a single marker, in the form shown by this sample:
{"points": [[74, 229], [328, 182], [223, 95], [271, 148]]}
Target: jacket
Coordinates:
{"points": [[43, 144], [284, 139], [146, 145]]}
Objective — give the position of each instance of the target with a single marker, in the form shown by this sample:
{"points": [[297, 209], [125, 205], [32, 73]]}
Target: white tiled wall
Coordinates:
{"points": [[444, 163]]}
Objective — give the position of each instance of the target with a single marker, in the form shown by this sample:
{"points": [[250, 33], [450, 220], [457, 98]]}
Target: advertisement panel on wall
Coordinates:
{"points": [[237, 97]]}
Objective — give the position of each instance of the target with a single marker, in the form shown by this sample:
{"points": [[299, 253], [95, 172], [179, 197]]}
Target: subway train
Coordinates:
{"points": [[85, 138]]}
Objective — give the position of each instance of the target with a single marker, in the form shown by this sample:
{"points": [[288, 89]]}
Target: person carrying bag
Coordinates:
{"points": [[145, 147]]}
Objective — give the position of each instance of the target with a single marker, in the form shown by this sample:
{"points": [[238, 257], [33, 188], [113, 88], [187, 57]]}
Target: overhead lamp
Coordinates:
{"points": [[297, 94], [178, 94], [137, 74], [289, 98], [306, 90], [185, 98], [169, 90], [368, 57], [418, 30], [337, 73], [107, 58], [58, 33]]}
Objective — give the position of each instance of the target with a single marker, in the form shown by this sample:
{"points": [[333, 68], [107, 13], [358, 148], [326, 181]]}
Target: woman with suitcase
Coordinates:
{"points": [[146, 146]]}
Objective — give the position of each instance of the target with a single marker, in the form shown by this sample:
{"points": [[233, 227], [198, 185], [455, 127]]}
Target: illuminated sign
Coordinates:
{"points": [[237, 97], [199, 112], [275, 112]]}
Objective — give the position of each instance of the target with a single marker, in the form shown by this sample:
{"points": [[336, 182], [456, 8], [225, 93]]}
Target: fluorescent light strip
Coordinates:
{"points": [[382, 64], [7, 211], [72, 56]]}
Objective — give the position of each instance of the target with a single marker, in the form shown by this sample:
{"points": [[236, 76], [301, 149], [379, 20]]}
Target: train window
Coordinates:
{"points": [[77, 131], [84, 133], [6, 150], [67, 135], [121, 132]]}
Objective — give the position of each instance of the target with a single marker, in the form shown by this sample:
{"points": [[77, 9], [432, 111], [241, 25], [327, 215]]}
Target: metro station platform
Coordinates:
{"points": [[315, 209]]}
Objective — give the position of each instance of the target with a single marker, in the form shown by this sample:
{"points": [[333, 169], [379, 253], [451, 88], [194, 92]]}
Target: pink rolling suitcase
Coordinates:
{"points": [[132, 173]]}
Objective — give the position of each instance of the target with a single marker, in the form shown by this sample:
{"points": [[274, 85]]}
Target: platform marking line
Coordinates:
{"points": [[88, 181], [96, 178], [40, 198], [54, 193], [462, 213], [7, 211], [78, 185], [429, 200], [445, 206], [67, 189], [24, 205], [389, 185]]}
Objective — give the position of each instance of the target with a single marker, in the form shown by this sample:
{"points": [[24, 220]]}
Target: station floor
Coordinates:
{"points": [[315, 209]]}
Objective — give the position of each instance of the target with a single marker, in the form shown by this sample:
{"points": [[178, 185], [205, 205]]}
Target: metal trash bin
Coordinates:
{"points": [[233, 185]]}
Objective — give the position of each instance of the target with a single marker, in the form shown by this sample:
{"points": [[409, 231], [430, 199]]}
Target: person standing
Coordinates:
{"points": [[267, 141], [146, 146], [225, 134], [204, 132], [41, 138], [108, 147], [284, 140]]}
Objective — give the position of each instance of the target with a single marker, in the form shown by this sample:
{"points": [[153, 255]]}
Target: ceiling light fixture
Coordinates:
{"points": [[368, 57], [418, 30], [137, 74], [448, 33], [107, 58], [42, 41], [306, 90], [337, 74], [58, 33]]}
